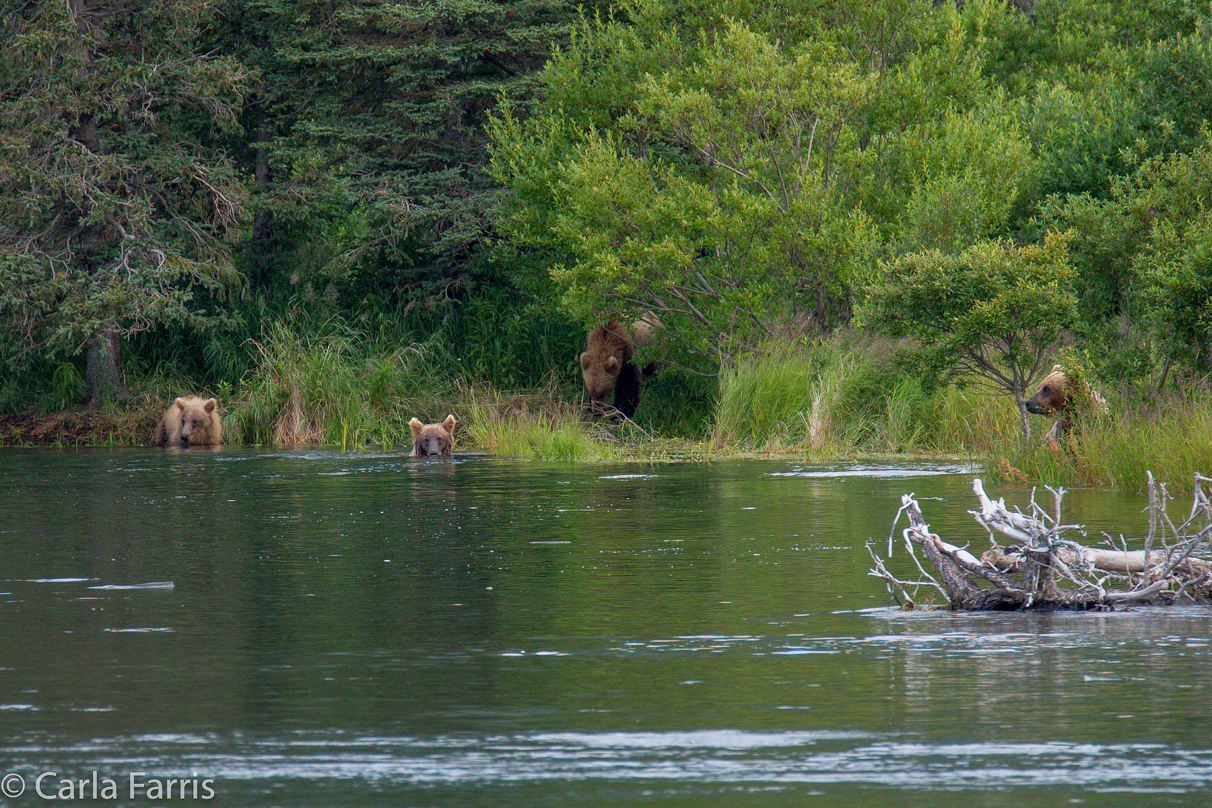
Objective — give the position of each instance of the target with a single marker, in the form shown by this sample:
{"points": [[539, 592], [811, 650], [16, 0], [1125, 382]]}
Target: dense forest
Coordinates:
{"points": [[352, 211]]}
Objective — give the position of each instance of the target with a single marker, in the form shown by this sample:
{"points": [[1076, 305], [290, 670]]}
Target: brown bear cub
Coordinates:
{"points": [[606, 365], [1064, 397], [191, 421], [432, 439]]}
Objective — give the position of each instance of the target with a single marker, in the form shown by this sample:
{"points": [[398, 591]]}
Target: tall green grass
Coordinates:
{"points": [[535, 428], [338, 386], [841, 397], [1171, 438], [334, 386], [766, 399], [833, 398]]}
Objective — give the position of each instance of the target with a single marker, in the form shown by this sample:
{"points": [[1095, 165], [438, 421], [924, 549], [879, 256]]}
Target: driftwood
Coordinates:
{"points": [[1040, 568]]}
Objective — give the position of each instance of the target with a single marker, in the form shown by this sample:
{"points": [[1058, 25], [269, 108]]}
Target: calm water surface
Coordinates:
{"points": [[279, 628]]}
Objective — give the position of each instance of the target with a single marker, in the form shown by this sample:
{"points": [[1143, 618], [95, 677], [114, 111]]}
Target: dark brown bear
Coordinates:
{"points": [[606, 365], [432, 439], [1065, 398], [191, 421]]}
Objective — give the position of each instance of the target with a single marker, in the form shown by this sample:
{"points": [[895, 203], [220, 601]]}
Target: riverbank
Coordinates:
{"points": [[79, 427], [818, 400], [1173, 442]]}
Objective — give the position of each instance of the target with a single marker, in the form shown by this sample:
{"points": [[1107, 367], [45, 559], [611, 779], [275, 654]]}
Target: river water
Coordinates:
{"points": [[316, 628]]}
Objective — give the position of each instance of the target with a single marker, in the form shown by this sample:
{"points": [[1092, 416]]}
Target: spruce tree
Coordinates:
{"points": [[113, 218], [365, 133]]}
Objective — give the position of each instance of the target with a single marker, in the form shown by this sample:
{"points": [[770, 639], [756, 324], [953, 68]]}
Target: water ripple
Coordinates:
{"points": [[723, 756]]}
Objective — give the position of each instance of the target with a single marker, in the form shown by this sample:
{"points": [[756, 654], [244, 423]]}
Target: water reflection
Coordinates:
{"points": [[315, 628]]}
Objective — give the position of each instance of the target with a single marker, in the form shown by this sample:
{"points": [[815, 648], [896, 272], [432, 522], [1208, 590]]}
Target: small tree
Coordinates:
{"points": [[719, 200], [996, 311]]}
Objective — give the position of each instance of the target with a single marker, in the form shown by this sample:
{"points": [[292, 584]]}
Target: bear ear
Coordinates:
{"points": [[210, 405], [585, 361], [1058, 369], [179, 403], [449, 424], [415, 425], [612, 362]]}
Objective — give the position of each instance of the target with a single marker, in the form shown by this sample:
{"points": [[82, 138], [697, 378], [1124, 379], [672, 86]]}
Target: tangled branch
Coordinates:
{"points": [[1042, 568]]}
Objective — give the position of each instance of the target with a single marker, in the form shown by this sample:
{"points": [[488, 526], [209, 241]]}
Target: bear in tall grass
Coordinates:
{"points": [[606, 365], [432, 439], [191, 421], [1065, 397]]}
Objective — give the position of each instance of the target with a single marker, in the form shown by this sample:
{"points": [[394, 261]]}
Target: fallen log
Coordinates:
{"points": [[1045, 569]]}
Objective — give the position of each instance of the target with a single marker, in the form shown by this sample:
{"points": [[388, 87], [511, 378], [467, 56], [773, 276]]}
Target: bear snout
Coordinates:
{"points": [[1048, 399], [1036, 407], [433, 446]]}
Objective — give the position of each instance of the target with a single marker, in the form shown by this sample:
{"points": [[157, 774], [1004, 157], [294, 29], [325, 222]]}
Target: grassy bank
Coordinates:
{"points": [[1171, 437], [835, 399], [817, 400]]}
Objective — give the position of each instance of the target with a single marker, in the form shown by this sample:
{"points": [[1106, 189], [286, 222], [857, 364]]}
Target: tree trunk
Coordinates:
{"points": [[104, 371], [1024, 421], [1161, 383], [264, 226]]}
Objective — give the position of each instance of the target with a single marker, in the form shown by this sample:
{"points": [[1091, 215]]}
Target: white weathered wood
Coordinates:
{"points": [[1126, 561], [1056, 571]]}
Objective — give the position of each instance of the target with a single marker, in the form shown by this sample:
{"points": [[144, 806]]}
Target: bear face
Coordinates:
{"points": [[1053, 395], [191, 421], [432, 439], [1066, 398]]}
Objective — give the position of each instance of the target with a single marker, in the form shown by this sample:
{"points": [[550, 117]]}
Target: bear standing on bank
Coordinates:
{"points": [[191, 421], [606, 364]]}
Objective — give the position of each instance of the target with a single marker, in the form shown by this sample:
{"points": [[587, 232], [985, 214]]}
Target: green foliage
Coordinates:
{"points": [[67, 386], [961, 184], [495, 336], [995, 311], [672, 166], [1176, 90], [366, 136], [510, 432], [715, 199], [992, 306], [676, 403], [44, 388], [829, 398], [941, 71], [1144, 256], [113, 217], [1082, 128], [1174, 265], [333, 386]]}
